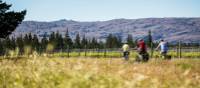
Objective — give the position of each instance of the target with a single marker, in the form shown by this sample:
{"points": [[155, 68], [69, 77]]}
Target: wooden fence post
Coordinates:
{"points": [[177, 51], [180, 52], [85, 51], [105, 52], [68, 51], [151, 49], [97, 52]]}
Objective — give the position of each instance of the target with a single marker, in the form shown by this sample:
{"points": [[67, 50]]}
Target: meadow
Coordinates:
{"points": [[90, 72], [119, 54]]}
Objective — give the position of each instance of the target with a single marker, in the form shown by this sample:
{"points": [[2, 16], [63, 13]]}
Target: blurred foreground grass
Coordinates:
{"points": [[58, 72]]}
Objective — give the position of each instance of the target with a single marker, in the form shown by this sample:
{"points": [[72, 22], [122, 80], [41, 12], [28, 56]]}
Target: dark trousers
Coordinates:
{"points": [[126, 55]]}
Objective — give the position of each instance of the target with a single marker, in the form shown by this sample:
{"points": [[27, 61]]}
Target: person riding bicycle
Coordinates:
{"points": [[163, 48], [142, 51], [126, 50], [141, 46]]}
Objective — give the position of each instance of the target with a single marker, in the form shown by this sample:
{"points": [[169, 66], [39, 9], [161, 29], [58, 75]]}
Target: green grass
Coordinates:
{"points": [[119, 54], [79, 72]]}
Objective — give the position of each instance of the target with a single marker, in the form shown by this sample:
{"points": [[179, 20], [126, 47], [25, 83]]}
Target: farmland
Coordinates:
{"points": [[38, 51], [90, 72]]}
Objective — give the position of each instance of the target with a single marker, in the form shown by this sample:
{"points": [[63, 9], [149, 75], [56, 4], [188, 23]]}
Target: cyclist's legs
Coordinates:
{"points": [[163, 54], [126, 55]]}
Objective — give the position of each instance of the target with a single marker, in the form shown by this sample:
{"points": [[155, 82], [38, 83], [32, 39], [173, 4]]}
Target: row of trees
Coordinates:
{"points": [[60, 43]]}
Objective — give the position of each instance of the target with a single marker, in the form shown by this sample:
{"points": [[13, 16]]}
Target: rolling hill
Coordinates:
{"points": [[171, 29]]}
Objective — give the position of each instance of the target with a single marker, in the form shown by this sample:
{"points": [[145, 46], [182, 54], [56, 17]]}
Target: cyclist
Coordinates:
{"points": [[142, 51], [126, 50], [163, 48]]}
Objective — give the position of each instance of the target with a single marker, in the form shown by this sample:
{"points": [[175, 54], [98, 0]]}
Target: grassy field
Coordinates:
{"points": [[115, 54], [80, 72]]}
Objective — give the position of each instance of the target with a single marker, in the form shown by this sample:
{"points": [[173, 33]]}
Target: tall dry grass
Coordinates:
{"points": [[44, 72]]}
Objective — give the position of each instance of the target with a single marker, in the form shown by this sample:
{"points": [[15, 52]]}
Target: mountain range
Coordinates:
{"points": [[171, 29]]}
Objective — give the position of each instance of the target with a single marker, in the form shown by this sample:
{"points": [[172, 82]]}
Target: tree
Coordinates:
{"points": [[25, 39], [13, 43], [119, 41], [44, 43], [9, 20], [35, 43], [149, 41], [130, 40], [84, 42], [94, 43], [20, 44], [77, 41], [7, 43], [1, 47], [101, 45], [52, 39], [67, 41], [113, 41], [109, 41], [58, 41]]}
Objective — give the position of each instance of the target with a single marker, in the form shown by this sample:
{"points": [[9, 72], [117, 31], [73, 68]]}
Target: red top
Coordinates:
{"points": [[141, 45]]}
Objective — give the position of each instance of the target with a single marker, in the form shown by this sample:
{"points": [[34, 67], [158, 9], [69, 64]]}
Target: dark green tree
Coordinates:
{"points": [[94, 43], [101, 45], [13, 43], [30, 39], [9, 20], [149, 41], [1, 47], [20, 44], [58, 41], [52, 39], [130, 40], [35, 43], [113, 41], [26, 40], [119, 41], [84, 42], [44, 43], [77, 41], [67, 41], [7, 43], [109, 41]]}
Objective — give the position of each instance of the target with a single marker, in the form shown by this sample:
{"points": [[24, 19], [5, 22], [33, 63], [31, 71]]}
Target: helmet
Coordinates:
{"points": [[140, 39]]}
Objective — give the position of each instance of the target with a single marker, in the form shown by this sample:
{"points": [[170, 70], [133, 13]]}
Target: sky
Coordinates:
{"points": [[101, 10]]}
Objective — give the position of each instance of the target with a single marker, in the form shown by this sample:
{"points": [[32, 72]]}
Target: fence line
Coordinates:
{"points": [[118, 51]]}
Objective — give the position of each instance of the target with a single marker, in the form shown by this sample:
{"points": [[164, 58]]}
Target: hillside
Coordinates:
{"points": [[170, 29]]}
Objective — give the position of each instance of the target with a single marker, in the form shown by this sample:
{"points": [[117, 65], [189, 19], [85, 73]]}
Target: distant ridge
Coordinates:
{"points": [[171, 29]]}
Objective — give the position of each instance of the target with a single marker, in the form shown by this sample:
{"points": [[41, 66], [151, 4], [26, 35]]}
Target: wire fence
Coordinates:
{"points": [[177, 52]]}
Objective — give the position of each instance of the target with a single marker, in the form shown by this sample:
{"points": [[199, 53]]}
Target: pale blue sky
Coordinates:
{"points": [[99, 10]]}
